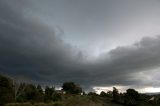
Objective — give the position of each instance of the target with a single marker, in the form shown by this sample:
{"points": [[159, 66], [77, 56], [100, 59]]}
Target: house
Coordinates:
{"points": [[60, 92], [152, 99]]}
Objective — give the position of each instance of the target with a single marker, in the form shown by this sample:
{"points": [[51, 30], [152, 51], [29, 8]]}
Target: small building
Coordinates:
{"points": [[152, 99], [60, 92]]}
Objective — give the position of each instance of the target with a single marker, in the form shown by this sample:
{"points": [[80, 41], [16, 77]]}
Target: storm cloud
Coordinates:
{"points": [[32, 50]]}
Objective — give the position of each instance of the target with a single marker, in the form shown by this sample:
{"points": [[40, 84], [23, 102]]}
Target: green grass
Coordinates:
{"points": [[79, 100], [67, 100], [36, 104]]}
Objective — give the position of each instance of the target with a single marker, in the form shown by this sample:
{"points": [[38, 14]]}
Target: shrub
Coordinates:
{"points": [[55, 104], [39, 104], [19, 104]]}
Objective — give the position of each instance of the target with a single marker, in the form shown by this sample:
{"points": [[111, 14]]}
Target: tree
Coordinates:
{"points": [[20, 94], [31, 93], [56, 97], [72, 88], [39, 94], [131, 97], [133, 93], [109, 94], [49, 93], [115, 95], [39, 89], [6, 90], [92, 94], [103, 94], [18, 89]]}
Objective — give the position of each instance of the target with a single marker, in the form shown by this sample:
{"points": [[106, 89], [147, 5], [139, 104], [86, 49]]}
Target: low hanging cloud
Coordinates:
{"points": [[123, 64], [32, 50]]}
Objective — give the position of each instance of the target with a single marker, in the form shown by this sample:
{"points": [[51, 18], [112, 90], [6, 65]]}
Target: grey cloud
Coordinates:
{"points": [[30, 48], [122, 62]]}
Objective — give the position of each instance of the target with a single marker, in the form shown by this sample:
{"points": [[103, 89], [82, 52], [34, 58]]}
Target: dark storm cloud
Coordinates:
{"points": [[30, 48], [119, 64]]}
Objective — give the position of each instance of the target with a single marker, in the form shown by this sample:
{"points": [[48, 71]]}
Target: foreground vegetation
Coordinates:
{"points": [[23, 94]]}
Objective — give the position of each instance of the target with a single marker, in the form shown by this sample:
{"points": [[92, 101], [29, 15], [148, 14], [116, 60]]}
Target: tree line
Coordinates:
{"points": [[13, 92]]}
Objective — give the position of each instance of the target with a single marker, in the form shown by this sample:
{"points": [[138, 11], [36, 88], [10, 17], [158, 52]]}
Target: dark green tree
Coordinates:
{"points": [[103, 94], [31, 93], [39, 89], [92, 94], [49, 92], [131, 97], [57, 97], [6, 90], [20, 95], [39, 94], [115, 95], [72, 88], [133, 93], [109, 94]]}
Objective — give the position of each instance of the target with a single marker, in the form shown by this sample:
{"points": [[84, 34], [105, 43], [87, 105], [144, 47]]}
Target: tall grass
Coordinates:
{"points": [[36, 104], [19, 104]]}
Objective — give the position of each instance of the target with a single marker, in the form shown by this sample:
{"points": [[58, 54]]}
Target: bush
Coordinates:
{"points": [[56, 97], [55, 104], [40, 104], [58, 104], [19, 104], [72, 88]]}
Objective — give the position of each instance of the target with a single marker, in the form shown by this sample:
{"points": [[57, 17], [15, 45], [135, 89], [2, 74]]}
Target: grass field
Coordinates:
{"points": [[73, 100]]}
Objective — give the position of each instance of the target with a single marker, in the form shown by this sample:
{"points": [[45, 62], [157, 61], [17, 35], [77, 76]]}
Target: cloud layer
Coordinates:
{"points": [[33, 51]]}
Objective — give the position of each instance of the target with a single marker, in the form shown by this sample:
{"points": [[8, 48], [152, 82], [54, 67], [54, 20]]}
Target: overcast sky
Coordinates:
{"points": [[96, 43]]}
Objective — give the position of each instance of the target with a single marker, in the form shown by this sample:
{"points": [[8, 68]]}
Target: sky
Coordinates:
{"points": [[95, 43]]}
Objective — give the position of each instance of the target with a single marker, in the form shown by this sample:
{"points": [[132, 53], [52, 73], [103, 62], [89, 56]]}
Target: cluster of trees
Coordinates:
{"points": [[72, 88], [131, 98], [10, 91]]}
